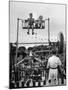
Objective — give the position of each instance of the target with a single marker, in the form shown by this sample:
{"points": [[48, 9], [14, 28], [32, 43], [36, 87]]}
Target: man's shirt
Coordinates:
{"points": [[53, 62]]}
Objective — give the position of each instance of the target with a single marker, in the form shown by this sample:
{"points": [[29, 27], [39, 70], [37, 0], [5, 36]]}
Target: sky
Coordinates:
{"points": [[55, 12]]}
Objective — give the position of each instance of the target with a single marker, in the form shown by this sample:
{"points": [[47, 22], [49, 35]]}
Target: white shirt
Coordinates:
{"points": [[53, 62], [30, 53]]}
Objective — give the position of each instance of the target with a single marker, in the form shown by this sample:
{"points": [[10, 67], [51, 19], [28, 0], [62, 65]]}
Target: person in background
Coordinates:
{"points": [[53, 63], [19, 58], [30, 53]]}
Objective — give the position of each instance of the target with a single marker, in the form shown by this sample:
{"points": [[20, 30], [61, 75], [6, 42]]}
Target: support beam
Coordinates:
{"points": [[35, 43], [49, 33], [17, 40], [48, 29]]}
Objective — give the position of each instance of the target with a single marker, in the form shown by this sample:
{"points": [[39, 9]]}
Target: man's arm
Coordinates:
{"points": [[27, 20], [48, 64], [59, 62]]}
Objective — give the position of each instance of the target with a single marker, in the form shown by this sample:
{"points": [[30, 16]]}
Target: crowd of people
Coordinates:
{"points": [[30, 66]]}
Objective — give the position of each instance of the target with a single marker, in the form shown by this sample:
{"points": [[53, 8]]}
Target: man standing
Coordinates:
{"points": [[53, 63]]}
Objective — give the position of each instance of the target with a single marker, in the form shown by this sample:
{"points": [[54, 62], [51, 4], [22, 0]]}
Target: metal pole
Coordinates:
{"points": [[49, 29], [16, 47], [17, 40], [16, 78], [49, 33]]}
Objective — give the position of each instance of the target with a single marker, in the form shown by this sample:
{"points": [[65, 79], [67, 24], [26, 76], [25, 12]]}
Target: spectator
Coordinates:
{"points": [[53, 63]]}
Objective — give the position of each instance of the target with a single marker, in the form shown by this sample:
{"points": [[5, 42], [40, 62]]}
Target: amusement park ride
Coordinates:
{"points": [[32, 25], [26, 24], [33, 68]]}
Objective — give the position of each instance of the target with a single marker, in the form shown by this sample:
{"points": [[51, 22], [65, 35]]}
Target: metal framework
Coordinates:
{"points": [[18, 19]]}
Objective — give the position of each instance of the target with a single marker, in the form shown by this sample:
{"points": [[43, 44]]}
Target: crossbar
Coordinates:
{"points": [[35, 43]]}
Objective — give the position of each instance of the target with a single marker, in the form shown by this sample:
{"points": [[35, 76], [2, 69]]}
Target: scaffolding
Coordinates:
{"points": [[18, 19]]}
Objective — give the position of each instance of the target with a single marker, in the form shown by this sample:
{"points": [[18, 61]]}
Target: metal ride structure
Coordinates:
{"points": [[17, 42], [48, 19], [30, 43]]}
